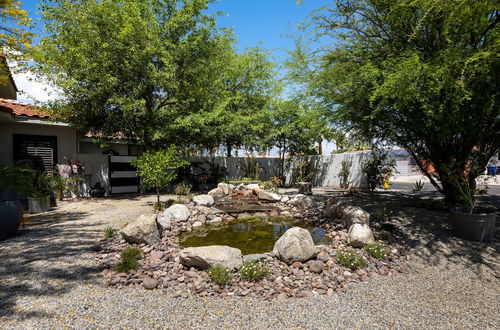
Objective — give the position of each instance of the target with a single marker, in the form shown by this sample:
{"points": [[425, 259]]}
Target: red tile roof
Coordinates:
{"points": [[21, 109]]}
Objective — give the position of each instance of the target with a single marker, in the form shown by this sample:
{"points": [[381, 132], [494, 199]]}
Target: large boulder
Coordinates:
{"points": [[216, 193], [164, 220], [178, 211], [226, 188], [296, 244], [142, 230], [303, 201], [354, 214], [204, 257], [359, 235], [203, 200], [335, 210], [268, 196]]}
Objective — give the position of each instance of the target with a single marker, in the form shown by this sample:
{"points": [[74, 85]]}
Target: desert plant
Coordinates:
{"points": [[158, 169], [182, 189], [304, 172], [251, 167], [377, 250], [254, 270], [109, 232], [129, 260], [220, 274], [350, 258], [345, 171], [377, 169], [418, 185]]}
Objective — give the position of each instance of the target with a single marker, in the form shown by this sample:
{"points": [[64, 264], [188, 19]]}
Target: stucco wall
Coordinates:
{"points": [[66, 138], [87, 147]]}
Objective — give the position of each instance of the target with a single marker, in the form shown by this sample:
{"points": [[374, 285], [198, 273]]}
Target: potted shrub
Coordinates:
{"points": [[468, 221], [15, 183], [39, 200]]}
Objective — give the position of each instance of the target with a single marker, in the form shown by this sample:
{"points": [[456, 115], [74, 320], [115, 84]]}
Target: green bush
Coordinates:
{"points": [[351, 258], [182, 189], [377, 250], [129, 260], [254, 270], [109, 232], [220, 274]]}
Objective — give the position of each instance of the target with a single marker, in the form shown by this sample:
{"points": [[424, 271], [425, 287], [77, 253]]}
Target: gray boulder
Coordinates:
{"points": [[204, 257], [203, 200], [296, 244], [354, 214], [216, 193], [255, 257], [336, 210], [143, 230], [164, 220], [303, 201], [179, 211], [359, 235], [226, 188], [268, 196]]}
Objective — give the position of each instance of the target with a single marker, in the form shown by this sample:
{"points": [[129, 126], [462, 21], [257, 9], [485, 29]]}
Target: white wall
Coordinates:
{"points": [[98, 169], [66, 137]]}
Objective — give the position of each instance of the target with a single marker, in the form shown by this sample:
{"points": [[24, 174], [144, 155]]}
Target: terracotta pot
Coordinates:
{"points": [[478, 226], [11, 215]]}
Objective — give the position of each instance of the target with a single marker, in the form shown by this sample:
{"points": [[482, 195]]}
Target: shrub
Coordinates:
{"points": [[254, 270], [220, 274], [418, 185], [182, 189], [377, 250], [345, 172], [158, 206], [377, 169], [129, 260], [350, 258], [109, 232]]}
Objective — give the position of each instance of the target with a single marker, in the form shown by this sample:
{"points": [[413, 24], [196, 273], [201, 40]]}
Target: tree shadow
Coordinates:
{"points": [[423, 228], [49, 257]]}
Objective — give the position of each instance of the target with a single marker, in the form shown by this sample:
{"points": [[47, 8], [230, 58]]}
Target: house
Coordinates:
{"points": [[26, 131]]}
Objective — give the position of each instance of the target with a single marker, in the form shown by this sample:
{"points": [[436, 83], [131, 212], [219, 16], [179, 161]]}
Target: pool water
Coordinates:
{"points": [[250, 235]]}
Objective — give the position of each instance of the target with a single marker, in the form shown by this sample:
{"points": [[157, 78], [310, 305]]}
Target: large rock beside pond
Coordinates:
{"points": [[359, 235], [268, 196], [203, 200], [335, 209], [178, 211], [204, 257], [143, 230], [303, 201], [354, 214], [216, 193], [296, 244]]}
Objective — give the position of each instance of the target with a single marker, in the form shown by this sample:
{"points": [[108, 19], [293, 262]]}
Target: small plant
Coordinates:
{"points": [[251, 167], [254, 270], [377, 250], [220, 274], [109, 232], [182, 189], [269, 186], [418, 185], [377, 169], [345, 171], [158, 206], [381, 214], [129, 260], [350, 258]]}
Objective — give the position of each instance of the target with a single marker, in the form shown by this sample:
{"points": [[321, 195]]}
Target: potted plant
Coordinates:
{"points": [[468, 221], [15, 183], [39, 200]]}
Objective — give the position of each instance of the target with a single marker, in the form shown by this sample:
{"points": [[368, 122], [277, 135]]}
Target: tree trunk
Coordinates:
{"points": [[158, 194], [229, 148], [320, 147]]}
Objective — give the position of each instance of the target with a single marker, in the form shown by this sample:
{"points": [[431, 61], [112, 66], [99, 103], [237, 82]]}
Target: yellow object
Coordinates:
{"points": [[386, 184]]}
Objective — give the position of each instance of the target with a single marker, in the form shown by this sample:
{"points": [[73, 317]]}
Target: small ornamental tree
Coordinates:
{"points": [[158, 169]]}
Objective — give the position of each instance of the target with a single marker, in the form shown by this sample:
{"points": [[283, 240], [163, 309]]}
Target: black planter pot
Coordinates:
{"points": [[478, 226], [11, 215]]}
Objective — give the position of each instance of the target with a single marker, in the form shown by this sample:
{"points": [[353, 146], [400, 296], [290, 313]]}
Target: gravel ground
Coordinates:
{"points": [[48, 279]]}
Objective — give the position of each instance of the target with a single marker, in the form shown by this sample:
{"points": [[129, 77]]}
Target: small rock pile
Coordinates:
{"points": [[298, 268]]}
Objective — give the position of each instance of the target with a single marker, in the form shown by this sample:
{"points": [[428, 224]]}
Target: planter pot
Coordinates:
{"points": [[38, 205], [11, 215], [479, 226]]}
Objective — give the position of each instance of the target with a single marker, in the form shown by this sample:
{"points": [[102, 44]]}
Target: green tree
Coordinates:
{"points": [[158, 169], [420, 74], [123, 66], [15, 35]]}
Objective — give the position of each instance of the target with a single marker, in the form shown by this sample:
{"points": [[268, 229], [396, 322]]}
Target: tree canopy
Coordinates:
{"points": [[420, 74]]}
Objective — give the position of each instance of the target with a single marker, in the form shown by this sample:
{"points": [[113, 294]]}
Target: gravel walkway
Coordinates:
{"points": [[48, 280]]}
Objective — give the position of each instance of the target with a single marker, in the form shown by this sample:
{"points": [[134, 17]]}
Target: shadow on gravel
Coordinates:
{"points": [[45, 259], [422, 227]]}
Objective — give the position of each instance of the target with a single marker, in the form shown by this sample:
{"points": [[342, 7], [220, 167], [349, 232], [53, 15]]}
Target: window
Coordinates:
{"points": [[39, 149]]}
